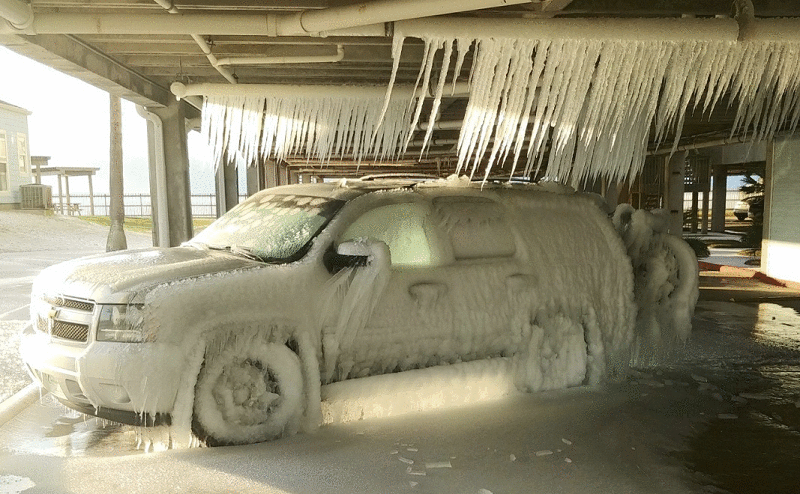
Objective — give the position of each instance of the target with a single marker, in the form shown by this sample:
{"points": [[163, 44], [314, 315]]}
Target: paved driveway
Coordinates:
{"points": [[29, 242]]}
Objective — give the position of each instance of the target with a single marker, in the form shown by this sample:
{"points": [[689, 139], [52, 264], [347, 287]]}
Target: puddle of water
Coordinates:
{"points": [[752, 352]]}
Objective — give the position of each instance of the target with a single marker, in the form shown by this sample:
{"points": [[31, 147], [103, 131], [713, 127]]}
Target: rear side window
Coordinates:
{"points": [[402, 227], [476, 226]]}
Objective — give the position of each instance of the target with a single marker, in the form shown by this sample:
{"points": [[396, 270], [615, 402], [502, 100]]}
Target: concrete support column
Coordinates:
{"points": [[611, 193], [270, 174], [255, 178], [780, 248], [718, 203], [227, 185], [69, 199], [283, 174], [706, 192], [60, 195], [91, 197], [116, 235], [176, 167], [675, 169]]}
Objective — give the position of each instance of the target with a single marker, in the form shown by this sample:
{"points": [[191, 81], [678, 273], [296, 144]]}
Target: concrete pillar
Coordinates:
{"points": [[780, 248], [255, 178], [176, 167], [718, 203], [227, 186], [91, 196], [116, 234], [706, 192], [66, 191], [283, 174], [675, 170], [270, 174], [60, 195], [611, 193]]}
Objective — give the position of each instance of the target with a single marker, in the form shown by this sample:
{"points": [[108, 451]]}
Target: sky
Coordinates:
{"points": [[70, 123]]}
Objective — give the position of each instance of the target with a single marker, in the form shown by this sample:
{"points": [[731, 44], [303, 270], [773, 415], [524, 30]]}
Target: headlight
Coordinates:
{"points": [[121, 323]]}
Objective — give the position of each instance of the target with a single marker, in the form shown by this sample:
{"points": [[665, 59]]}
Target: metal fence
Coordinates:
{"points": [[136, 205], [732, 196], [205, 205]]}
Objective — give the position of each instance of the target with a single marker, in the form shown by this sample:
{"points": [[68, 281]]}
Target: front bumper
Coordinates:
{"points": [[132, 383]]}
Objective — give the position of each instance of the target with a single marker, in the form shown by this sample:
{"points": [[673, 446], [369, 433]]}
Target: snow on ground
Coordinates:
{"points": [[30, 242]]}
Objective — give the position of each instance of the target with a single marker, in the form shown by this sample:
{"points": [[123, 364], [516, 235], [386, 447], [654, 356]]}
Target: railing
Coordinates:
{"points": [[136, 205], [205, 205], [732, 196]]}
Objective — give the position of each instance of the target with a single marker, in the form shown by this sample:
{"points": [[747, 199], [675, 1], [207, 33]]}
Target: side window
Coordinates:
{"points": [[402, 227], [476, 226]]}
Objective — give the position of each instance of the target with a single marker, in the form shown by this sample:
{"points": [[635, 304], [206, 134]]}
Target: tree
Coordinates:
{"points": [[753, 188]]}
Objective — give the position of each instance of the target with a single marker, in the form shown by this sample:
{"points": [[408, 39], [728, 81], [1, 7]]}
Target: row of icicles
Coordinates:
{"points": [[587, 105]]}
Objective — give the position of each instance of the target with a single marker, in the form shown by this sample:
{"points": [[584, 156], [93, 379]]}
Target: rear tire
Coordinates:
{"points": [[248, 394]]}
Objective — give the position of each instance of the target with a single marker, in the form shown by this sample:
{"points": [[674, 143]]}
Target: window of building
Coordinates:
{"points": [[22, 154], [3, 162]]}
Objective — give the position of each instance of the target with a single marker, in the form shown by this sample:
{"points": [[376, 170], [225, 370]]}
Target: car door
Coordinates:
{"points": [[411, 317]]}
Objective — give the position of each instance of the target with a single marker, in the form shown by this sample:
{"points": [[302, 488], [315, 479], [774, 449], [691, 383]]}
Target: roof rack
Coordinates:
{"points": [[412, 176]]}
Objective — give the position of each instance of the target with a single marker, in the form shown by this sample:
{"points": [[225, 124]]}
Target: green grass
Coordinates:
{"points": [[144, 225]]}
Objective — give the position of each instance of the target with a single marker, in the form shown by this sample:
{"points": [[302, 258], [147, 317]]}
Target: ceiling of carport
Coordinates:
{"points": [[141, 67]]}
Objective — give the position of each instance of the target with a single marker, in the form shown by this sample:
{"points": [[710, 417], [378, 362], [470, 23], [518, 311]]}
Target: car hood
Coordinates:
{"points": [[126, 276]]}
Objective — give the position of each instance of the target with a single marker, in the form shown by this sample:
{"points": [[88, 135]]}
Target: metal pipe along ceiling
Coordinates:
{"points": [[284, 60], [301, 23], [18, 14]]}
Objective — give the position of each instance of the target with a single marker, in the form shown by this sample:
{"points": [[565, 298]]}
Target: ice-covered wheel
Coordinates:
{"points": [[247, 394]]}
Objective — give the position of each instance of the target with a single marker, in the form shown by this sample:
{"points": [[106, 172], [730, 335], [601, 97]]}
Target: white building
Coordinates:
{"points": [[15, 161]]}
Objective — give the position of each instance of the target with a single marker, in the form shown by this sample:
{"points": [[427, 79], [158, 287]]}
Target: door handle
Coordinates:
{"points": [[519, 281], [427, 294]]}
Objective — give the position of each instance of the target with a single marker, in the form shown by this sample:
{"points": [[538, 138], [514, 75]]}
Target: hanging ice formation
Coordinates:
{"points": [[589, 102], [302, 120], [584, 93]]}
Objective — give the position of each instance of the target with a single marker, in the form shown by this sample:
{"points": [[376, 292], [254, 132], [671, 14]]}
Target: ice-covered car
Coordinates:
{"points": [[231, 335]]}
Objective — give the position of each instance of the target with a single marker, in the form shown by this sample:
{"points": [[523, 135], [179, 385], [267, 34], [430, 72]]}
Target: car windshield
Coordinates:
{"points": [[270, 227]]}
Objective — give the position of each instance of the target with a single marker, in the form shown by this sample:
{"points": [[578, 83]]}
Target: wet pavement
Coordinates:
{"points": [[720, 415]]}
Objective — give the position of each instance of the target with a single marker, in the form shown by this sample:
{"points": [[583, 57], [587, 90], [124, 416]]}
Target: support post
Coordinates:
{"points": [[780, 247], [91, 196], [255, 178], [706, 192], [719, 198], [676, 169], [227, 187], [271, 174], [60, 195], [176, 176], [116, 234], [69, 199]]}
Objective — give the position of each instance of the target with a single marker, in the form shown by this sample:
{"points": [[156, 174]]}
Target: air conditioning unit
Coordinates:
{"points": [[36, 196]]}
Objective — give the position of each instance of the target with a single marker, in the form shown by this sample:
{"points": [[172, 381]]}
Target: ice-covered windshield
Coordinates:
{"points": [[270, 227]]}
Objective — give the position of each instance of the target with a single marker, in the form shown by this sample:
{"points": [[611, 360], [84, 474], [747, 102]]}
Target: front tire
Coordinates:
{"points": [[248, 394]]}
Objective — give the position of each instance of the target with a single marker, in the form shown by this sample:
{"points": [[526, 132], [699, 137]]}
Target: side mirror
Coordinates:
{"points": [[343, 257]]}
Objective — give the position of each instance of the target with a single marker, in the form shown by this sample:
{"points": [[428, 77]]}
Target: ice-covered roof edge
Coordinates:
{"points": [[594, 93]]}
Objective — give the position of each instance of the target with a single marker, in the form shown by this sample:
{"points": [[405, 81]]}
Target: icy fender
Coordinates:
{"points": [[665, 279]]}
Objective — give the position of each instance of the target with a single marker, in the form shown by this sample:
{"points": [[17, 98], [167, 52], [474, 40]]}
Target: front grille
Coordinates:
{"points": [[70, 331], [64, 317], [70, 303]]}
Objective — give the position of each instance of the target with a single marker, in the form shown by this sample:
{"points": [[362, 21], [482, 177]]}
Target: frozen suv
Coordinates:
{"points": [[232, 334]]}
